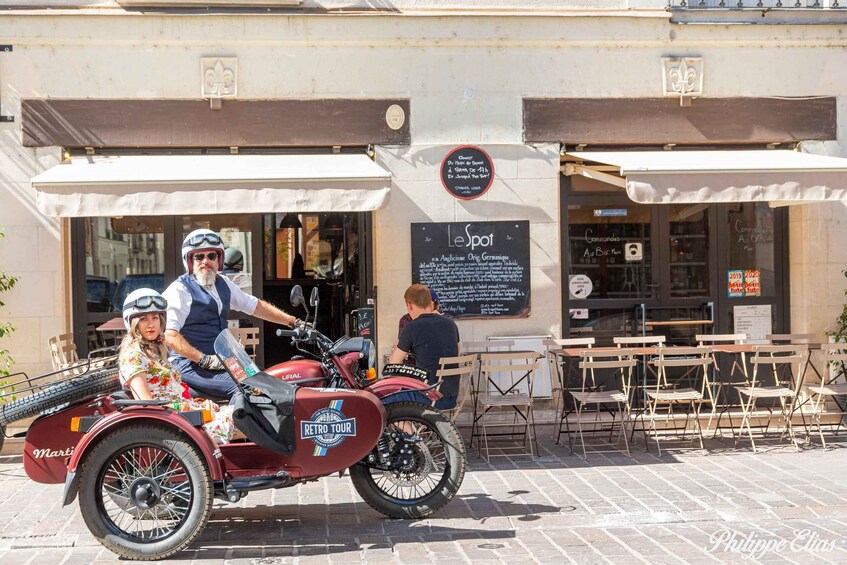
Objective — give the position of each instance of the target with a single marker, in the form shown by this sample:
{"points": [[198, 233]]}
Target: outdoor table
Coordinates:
{"points": [[571, 356], [113, 328]]}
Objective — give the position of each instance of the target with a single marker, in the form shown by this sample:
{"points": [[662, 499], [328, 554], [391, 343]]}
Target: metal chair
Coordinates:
{"points": [[694, 363], [464, 368], [829, 391], [493, 394], [477, 348], [560, 377], [739, 363], [620, 363], [785, 362]]}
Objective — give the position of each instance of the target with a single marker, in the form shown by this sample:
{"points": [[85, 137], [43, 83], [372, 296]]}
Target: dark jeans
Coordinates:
{"points": [[443, 403], [214, 384]]}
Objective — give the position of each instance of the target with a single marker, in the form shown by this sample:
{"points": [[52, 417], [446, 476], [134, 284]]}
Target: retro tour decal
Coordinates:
{"points": [[328, 427]]}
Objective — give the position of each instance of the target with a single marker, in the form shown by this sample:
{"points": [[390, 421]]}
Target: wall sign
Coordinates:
{"points": [[467, 172], [478, 269]]}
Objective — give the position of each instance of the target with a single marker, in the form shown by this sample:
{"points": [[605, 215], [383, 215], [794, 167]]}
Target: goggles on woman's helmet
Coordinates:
{"points": [[148, 303]]}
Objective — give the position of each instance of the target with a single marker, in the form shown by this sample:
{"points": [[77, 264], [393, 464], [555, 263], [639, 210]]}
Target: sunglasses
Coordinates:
{"points": [[145, 302], [210, 238], [212, 255]]}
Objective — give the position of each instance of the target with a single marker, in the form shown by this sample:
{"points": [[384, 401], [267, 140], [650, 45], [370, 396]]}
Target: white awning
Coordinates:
{"points": [[159, 185], [668, 177]]}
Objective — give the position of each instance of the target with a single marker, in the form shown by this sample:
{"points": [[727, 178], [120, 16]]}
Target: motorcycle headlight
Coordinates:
{"points": [[369, 350]]}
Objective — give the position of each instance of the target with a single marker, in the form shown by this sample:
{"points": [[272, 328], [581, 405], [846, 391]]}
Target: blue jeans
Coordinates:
{"points": [[216, 384]]}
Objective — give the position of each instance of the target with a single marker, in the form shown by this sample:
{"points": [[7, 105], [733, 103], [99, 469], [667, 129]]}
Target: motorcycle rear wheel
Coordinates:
{"points": [[428, 472], [145, 492]]}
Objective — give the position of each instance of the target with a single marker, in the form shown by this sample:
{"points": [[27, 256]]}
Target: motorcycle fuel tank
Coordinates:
{"points": [[305, 372]]}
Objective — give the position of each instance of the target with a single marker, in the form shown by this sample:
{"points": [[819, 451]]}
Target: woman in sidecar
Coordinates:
{"points": [[146, 371]]}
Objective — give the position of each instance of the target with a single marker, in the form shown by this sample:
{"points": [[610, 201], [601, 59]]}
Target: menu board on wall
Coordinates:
{"points": [[478, 269]]}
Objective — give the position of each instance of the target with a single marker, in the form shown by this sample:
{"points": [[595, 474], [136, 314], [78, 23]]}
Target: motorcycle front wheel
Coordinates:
{"points": [[426, 463], [145, 492]]}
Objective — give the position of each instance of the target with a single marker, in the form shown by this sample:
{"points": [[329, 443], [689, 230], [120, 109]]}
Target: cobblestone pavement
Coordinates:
{"points": [[713, 506]]}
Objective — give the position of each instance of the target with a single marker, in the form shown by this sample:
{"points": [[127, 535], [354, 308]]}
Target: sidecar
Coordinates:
{"points": [[146, 474]]}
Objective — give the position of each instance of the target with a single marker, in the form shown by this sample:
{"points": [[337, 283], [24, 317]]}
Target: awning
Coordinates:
{"points": [[157, 185], [667, 177]]}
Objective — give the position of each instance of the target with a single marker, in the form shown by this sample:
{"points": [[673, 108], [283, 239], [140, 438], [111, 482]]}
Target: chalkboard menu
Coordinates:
{"points": [[364, 321], [478, 269], [467, 172]]}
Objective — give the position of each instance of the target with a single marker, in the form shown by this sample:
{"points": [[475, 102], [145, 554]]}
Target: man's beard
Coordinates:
{"points": [[205, 277]]}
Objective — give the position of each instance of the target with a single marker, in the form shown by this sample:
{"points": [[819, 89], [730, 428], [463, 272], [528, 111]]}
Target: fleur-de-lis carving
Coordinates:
{"points": [[219, 78], [682, 78]]}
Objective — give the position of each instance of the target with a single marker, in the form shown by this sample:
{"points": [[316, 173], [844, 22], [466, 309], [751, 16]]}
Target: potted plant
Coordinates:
{"points": [[840, 333]]}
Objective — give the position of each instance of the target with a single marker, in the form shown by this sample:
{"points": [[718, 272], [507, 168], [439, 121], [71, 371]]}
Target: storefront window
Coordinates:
{"points": [[689, 250], [751, 250], [309, 246], [236, 232], [611, 246], [121, 255]]}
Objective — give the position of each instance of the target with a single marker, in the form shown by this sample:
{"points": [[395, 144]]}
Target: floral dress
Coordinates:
{"points": [[165, 383]]}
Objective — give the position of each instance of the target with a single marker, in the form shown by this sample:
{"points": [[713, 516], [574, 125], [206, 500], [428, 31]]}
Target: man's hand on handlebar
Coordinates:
{"points": [[211, 363]]}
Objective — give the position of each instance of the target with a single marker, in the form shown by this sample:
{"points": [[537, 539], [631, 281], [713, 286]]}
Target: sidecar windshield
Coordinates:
{"points": [[237, 362]]}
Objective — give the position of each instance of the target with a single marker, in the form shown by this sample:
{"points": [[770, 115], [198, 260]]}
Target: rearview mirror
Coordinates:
{"points": [[297, 296], [313, 298]]}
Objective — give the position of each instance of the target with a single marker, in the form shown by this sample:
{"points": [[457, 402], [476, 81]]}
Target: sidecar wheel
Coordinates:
{"points": [[426, 474], [145, 492]]}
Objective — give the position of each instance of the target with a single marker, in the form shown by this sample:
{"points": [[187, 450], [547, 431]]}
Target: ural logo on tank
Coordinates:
{"points": [[291, 376], [42, 453]]}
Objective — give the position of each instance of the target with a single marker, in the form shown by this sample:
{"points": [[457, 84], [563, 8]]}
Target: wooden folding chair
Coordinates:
{"points": [[248, 338], [829, 391], [785, 362], [63, 351], [505, 392], [464, 368], [694, 363], [619, 363]]}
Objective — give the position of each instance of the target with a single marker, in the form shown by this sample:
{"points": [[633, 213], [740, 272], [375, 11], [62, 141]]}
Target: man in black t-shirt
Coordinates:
{"points": [[429, 337]]}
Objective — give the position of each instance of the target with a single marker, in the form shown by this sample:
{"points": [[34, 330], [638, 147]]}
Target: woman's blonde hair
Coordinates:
{"points": [[154, 349]]}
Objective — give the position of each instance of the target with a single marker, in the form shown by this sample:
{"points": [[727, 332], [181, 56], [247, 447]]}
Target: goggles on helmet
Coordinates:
{"points": [[145, 302], [210, 238]]}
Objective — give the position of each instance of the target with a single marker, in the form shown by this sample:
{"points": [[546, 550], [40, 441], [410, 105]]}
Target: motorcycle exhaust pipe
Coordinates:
{"points": [[237, 488]]}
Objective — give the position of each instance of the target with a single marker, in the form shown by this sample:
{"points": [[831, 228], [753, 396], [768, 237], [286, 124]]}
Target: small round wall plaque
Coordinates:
{"points": [[467, 172]]}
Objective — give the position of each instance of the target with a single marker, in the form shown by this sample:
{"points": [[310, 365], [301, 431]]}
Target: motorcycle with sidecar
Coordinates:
{"points": [[146, 474]]}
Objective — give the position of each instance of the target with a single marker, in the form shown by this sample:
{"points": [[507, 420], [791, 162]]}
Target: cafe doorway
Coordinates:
{"points": [[676, 270]]}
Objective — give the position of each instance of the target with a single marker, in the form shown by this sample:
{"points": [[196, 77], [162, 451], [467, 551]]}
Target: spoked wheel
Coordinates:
{"points": [[145, 492], [425, 467]]}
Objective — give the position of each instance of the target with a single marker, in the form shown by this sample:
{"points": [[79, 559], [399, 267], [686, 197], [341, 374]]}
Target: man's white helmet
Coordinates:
{"points": [[201, 240], [143, 301]]}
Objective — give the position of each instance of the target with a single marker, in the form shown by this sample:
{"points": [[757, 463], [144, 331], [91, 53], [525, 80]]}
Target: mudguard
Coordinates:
{"points": [[135, 415], [390, 385]]}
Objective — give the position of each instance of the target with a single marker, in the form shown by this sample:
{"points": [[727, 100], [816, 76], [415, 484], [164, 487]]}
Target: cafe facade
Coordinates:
{"points": [[550, 171]]}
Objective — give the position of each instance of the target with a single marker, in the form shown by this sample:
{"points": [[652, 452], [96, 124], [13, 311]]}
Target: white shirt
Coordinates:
{"points": [[179, 302]]}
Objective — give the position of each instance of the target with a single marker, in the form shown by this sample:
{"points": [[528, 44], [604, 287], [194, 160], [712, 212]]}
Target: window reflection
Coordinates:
{"points": [[611, 246], [121, 255], [751, 250]]}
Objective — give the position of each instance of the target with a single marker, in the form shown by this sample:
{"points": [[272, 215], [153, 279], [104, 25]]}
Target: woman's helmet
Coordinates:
{"points": [[201, 240], [143, 301]]}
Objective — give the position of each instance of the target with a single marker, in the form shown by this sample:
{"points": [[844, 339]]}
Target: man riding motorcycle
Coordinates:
{"points": [[199, 302]]}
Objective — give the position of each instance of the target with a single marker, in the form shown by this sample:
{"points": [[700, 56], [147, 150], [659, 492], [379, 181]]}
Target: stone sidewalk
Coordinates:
{"points": [[713, 506]]}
